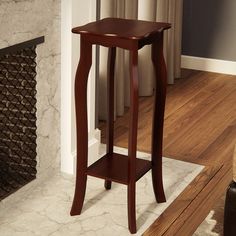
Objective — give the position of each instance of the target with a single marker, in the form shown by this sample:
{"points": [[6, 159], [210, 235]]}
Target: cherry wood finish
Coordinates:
{"points": [[133, 124], [115, 167], [110, 105], [158, 118], [131, 35], [81, 125]]}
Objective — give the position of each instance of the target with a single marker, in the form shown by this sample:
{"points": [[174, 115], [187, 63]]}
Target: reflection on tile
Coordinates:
{"points": [[42, 207]]}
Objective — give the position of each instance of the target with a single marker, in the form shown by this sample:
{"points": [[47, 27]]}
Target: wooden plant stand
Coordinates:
{"points": [[131, 35]]}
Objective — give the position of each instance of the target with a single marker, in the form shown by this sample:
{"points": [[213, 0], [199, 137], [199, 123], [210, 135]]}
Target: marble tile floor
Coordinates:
{"points": [[43, 206]]}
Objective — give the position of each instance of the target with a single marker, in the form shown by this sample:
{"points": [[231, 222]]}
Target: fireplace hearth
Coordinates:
{"points": [[18, 116]]}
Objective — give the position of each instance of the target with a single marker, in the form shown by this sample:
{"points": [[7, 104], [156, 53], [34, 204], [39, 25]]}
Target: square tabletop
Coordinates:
{"points": [[122, 28]]}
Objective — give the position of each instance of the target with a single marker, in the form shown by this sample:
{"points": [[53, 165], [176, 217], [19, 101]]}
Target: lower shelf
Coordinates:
{"points": [[114, 167]]}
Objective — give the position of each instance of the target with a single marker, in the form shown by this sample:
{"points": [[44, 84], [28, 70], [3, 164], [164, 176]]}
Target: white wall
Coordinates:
{"points": [[75, 13]]}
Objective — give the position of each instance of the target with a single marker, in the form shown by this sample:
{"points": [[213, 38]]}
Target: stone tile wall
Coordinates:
{"points": [[22, 20]]}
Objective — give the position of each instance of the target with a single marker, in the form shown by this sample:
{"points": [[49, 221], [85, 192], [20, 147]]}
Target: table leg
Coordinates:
{"points": [[132, 147], [158, 118], [81, 125], [110, 104]]}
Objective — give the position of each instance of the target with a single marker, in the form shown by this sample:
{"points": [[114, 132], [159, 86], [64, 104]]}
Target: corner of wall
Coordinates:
{"points": [[93, 149]]}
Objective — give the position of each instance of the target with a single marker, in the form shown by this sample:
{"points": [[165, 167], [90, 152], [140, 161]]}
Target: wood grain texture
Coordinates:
{"points": [[191, 218], [182, 202], [200, 127]]}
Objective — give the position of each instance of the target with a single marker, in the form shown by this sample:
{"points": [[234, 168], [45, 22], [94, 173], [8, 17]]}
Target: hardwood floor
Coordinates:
{"points": [[200, 127]]}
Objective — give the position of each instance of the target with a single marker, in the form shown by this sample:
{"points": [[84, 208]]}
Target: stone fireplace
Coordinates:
{"points": [[18, 115], [23, 21]]}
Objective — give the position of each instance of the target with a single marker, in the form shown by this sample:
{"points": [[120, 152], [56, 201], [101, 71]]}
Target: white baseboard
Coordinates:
{"points": [[208, 64], [93, 149]]}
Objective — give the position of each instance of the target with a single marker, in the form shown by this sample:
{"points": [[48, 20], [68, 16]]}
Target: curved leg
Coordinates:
{"points": [[158, 118], [81, 125], [133, 139], [110, 105]]}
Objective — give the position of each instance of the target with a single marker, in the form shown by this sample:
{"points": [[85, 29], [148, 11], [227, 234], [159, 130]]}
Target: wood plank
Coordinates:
{"points": [[197, 107], [203, 132], [221, 149], [184, 93], [171, 214], [187, 115], [194, 214]]}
